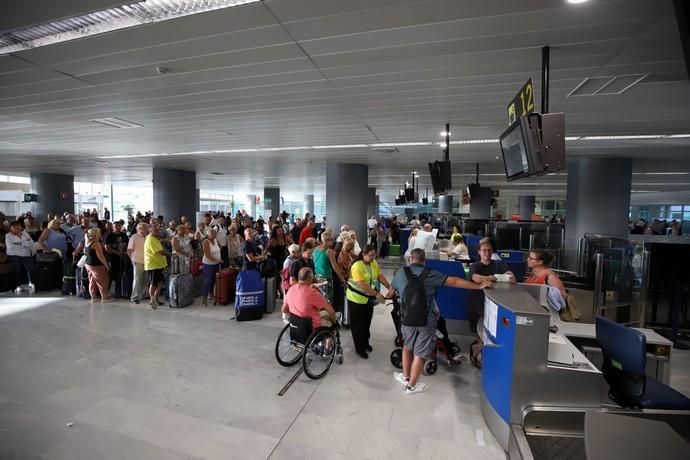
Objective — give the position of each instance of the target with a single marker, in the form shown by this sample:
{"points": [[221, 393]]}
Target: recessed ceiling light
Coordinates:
{"points": [[108, 20]]}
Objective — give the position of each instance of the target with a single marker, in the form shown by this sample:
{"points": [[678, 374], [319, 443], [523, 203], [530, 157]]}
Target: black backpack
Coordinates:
{"points": [[414, 309]]}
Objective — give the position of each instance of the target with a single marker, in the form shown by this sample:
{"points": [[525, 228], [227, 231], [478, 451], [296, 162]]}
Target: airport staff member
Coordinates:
{"points": [[483, 270]]}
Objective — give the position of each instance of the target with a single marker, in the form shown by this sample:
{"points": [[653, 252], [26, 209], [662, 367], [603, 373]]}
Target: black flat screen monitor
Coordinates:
{"points": [[445, 176], [441, 177], [515, 151], [435, 180]]}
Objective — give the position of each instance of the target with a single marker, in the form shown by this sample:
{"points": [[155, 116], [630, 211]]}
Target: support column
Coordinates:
{"points": [[347, 190], [526, 206], [271, 202], [251, 205], [174, 194], [445, 204], [55, 194], [308, 206], [372, 202], [598, 197]]}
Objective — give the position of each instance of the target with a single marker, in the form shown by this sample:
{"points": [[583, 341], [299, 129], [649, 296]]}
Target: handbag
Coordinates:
{"points": [[82, 261]]}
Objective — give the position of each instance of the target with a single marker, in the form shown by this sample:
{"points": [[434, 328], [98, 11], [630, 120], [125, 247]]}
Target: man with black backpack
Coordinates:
{"points": [[419, 313]]}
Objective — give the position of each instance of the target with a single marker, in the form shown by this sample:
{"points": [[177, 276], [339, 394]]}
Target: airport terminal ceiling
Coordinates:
{"points": [[264, 94]]}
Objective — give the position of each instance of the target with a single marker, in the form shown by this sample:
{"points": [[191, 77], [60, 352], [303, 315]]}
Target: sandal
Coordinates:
{"points": [[474, 356]]}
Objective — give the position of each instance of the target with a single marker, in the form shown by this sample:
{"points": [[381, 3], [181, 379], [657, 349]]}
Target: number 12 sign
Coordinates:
{"points": [[522, 103]]}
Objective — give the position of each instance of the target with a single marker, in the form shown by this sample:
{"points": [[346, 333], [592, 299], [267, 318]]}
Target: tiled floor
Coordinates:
{"points": [[187, 384], [116, 381]]}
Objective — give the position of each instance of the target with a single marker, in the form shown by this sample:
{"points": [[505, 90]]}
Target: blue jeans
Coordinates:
{"points": [[25, 263], [209, 278]]}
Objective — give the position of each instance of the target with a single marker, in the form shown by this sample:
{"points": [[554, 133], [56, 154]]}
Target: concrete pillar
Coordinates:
{"points": [[271, 202], [251, 205], [308, 206], [598, 197], [346, 197], [174, 193], [372, 202], [55, 194], [526, 206], [445, 204]]}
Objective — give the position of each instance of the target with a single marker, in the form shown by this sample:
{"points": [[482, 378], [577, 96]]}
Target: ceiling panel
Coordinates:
{"points": [[322, 72]]}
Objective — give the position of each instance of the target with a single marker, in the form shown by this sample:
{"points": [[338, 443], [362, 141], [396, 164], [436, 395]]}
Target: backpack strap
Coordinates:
{"points": [[408, 273]]}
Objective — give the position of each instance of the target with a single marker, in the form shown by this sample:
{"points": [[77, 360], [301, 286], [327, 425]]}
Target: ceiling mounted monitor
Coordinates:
{"points": [[441, 177], [534, 145]]}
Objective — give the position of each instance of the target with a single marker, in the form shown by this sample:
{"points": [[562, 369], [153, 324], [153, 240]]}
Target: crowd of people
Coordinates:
{"points": [[656, 227], [319, 268]]}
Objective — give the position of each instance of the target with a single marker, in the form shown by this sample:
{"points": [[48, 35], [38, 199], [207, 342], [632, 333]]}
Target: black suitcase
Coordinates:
{"points": [[69, 279], [47, 274]]}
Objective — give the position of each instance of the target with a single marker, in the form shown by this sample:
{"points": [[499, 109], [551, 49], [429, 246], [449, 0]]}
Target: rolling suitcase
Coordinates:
{"points": [[271, 289], [224, 292], [82, 277], [47, 274], [196, 266], [180, 290], [69, 278], [250, 299]]}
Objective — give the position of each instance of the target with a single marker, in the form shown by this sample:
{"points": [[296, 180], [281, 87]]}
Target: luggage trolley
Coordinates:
{"points": [[317, 348]]}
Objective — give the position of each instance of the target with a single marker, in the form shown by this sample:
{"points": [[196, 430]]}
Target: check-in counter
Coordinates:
{"points": [[529, 373], [452, 302]]}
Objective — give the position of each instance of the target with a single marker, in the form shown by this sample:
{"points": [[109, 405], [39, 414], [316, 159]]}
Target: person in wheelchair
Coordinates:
{"points": [[305, 301]]}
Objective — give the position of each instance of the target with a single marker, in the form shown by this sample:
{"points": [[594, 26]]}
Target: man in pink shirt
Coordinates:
{"points": [[135, 251], [306, 301]]}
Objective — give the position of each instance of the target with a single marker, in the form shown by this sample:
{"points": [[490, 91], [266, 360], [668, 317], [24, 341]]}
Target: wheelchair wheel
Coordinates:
{"points": [[288, 352], [396, 358], [319, 353], [430, 367]]}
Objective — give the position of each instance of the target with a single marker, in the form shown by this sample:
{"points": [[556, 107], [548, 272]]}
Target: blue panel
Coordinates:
{"points": [[451, 301], [404, 236], [497, 365], [511, 256], [472, 242]]}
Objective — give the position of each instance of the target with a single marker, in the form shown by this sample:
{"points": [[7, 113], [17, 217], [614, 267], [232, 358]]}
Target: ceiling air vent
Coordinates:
{"points": [[116, 123], [606, 85]]}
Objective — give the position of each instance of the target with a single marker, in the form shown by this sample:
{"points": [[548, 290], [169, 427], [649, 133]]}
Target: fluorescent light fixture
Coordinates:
{"points": [[660, 173], [108, 20], [341, 146], [116, 123], [474, 141], [364, 146], [623, 138], [443, 133], [577, 2], [572, 138]]}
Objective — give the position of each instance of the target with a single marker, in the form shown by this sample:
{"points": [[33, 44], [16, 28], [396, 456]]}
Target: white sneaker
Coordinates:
{"points": [[401, 379], [18, 290], [32, 288], [419, 388]]}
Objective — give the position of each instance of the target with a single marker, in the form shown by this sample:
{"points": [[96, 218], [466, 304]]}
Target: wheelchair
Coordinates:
{"points": [[316, 348]]}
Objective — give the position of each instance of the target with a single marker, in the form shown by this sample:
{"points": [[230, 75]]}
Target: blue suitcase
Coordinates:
{"points": [[250, 297]]}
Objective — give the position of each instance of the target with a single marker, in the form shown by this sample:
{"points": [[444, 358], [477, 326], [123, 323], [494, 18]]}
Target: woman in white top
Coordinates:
{"points": [[211, 263], [459, 249], [19, 247]]}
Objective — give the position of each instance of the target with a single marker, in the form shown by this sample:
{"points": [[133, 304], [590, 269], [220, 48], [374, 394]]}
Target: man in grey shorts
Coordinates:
{"points": [[419, 342]]}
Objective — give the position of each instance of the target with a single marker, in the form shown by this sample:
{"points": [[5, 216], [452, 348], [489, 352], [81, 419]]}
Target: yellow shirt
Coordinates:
{"points": [[153, 260], [363, 272]]}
